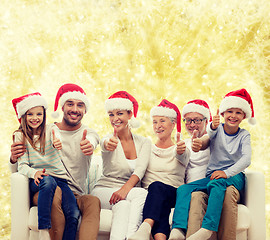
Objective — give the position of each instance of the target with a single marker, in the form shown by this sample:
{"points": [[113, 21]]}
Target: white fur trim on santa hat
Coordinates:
{"points": [[235, 102], [192, 107], [118, 103], [74, 95], [30, 102], [163, 111]]}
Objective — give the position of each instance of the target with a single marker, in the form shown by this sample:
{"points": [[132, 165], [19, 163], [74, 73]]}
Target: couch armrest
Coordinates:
{"points": [[20, 204], [255, 201]]}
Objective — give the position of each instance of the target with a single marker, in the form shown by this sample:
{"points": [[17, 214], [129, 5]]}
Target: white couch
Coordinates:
{"points": [[251, 215]]}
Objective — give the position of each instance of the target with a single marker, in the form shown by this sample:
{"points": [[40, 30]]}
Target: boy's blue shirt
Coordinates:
{"points": [[229, 153]]}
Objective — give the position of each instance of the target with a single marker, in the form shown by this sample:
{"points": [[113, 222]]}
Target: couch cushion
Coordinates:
{"points": [[33, 218], [244, 218], [105, 220]]}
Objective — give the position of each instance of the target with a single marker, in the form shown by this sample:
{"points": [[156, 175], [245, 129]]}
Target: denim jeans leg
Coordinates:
{"points": [[216, 189], [70, 209], [183, 198], [46, 190]]}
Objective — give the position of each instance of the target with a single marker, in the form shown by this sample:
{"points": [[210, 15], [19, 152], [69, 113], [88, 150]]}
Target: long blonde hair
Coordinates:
{"points": [[27, 133]]}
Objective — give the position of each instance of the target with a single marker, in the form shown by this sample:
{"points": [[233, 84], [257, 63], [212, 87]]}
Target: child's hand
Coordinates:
{"points": [[39, 175], [196, 143], [180, 145], [56, 141], [111, 145], [215, 121], [218, 174], [86, 147]]}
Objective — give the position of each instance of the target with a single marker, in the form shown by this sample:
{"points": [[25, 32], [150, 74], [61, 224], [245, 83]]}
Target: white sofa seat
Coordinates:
{"points": [[251, 215]]}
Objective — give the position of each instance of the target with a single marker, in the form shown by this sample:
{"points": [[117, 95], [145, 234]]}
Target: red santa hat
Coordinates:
{"points": [[122, 100], [167, 109], [239, 99], [69, 91], [24, 103], [198, 106]]}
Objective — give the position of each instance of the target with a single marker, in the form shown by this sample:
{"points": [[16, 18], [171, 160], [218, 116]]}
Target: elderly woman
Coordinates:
{"points": [[125, 159], [165, 173]]}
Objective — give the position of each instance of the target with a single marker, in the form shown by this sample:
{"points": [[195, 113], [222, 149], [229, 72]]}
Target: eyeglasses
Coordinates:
{"points": [[188, 121]]}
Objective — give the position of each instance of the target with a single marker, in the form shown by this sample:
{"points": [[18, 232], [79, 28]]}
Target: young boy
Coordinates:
{"points": [[230, 155]]}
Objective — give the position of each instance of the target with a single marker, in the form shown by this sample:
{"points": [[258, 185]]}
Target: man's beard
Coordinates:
{"points": [[71, 124]]}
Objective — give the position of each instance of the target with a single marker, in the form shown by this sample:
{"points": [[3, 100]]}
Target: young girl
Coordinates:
{"points": [[230, 155], [42, 164], [125, 159]]}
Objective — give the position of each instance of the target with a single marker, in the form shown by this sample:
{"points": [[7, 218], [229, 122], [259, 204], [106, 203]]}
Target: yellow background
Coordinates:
{"points": [[154, 49]]}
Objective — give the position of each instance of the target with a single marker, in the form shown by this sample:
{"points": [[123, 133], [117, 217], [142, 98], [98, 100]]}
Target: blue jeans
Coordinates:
{"points": [[70, 209], [216, 190]]}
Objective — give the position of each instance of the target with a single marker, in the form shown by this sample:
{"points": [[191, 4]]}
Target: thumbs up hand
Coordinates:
{"points": [[215, 121], [196, 143], [180, 145], [86, 147], [111, 144], [56, 141]]}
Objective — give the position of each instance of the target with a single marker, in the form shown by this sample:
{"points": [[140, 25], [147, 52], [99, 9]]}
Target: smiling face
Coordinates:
{"points": [[35, 117], [74, 111], [233, 117], [119, 119], [201, 127], [163, 127]]}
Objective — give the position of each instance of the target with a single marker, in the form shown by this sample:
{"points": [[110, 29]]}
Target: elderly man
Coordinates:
{"points": [[196, 115], [78, 144]]}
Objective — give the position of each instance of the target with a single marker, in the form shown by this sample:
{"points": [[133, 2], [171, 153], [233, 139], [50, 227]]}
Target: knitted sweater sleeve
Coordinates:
{"points": [[211, 133], [143, 156], [184, 158], [244, 160], [93, 137]]}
